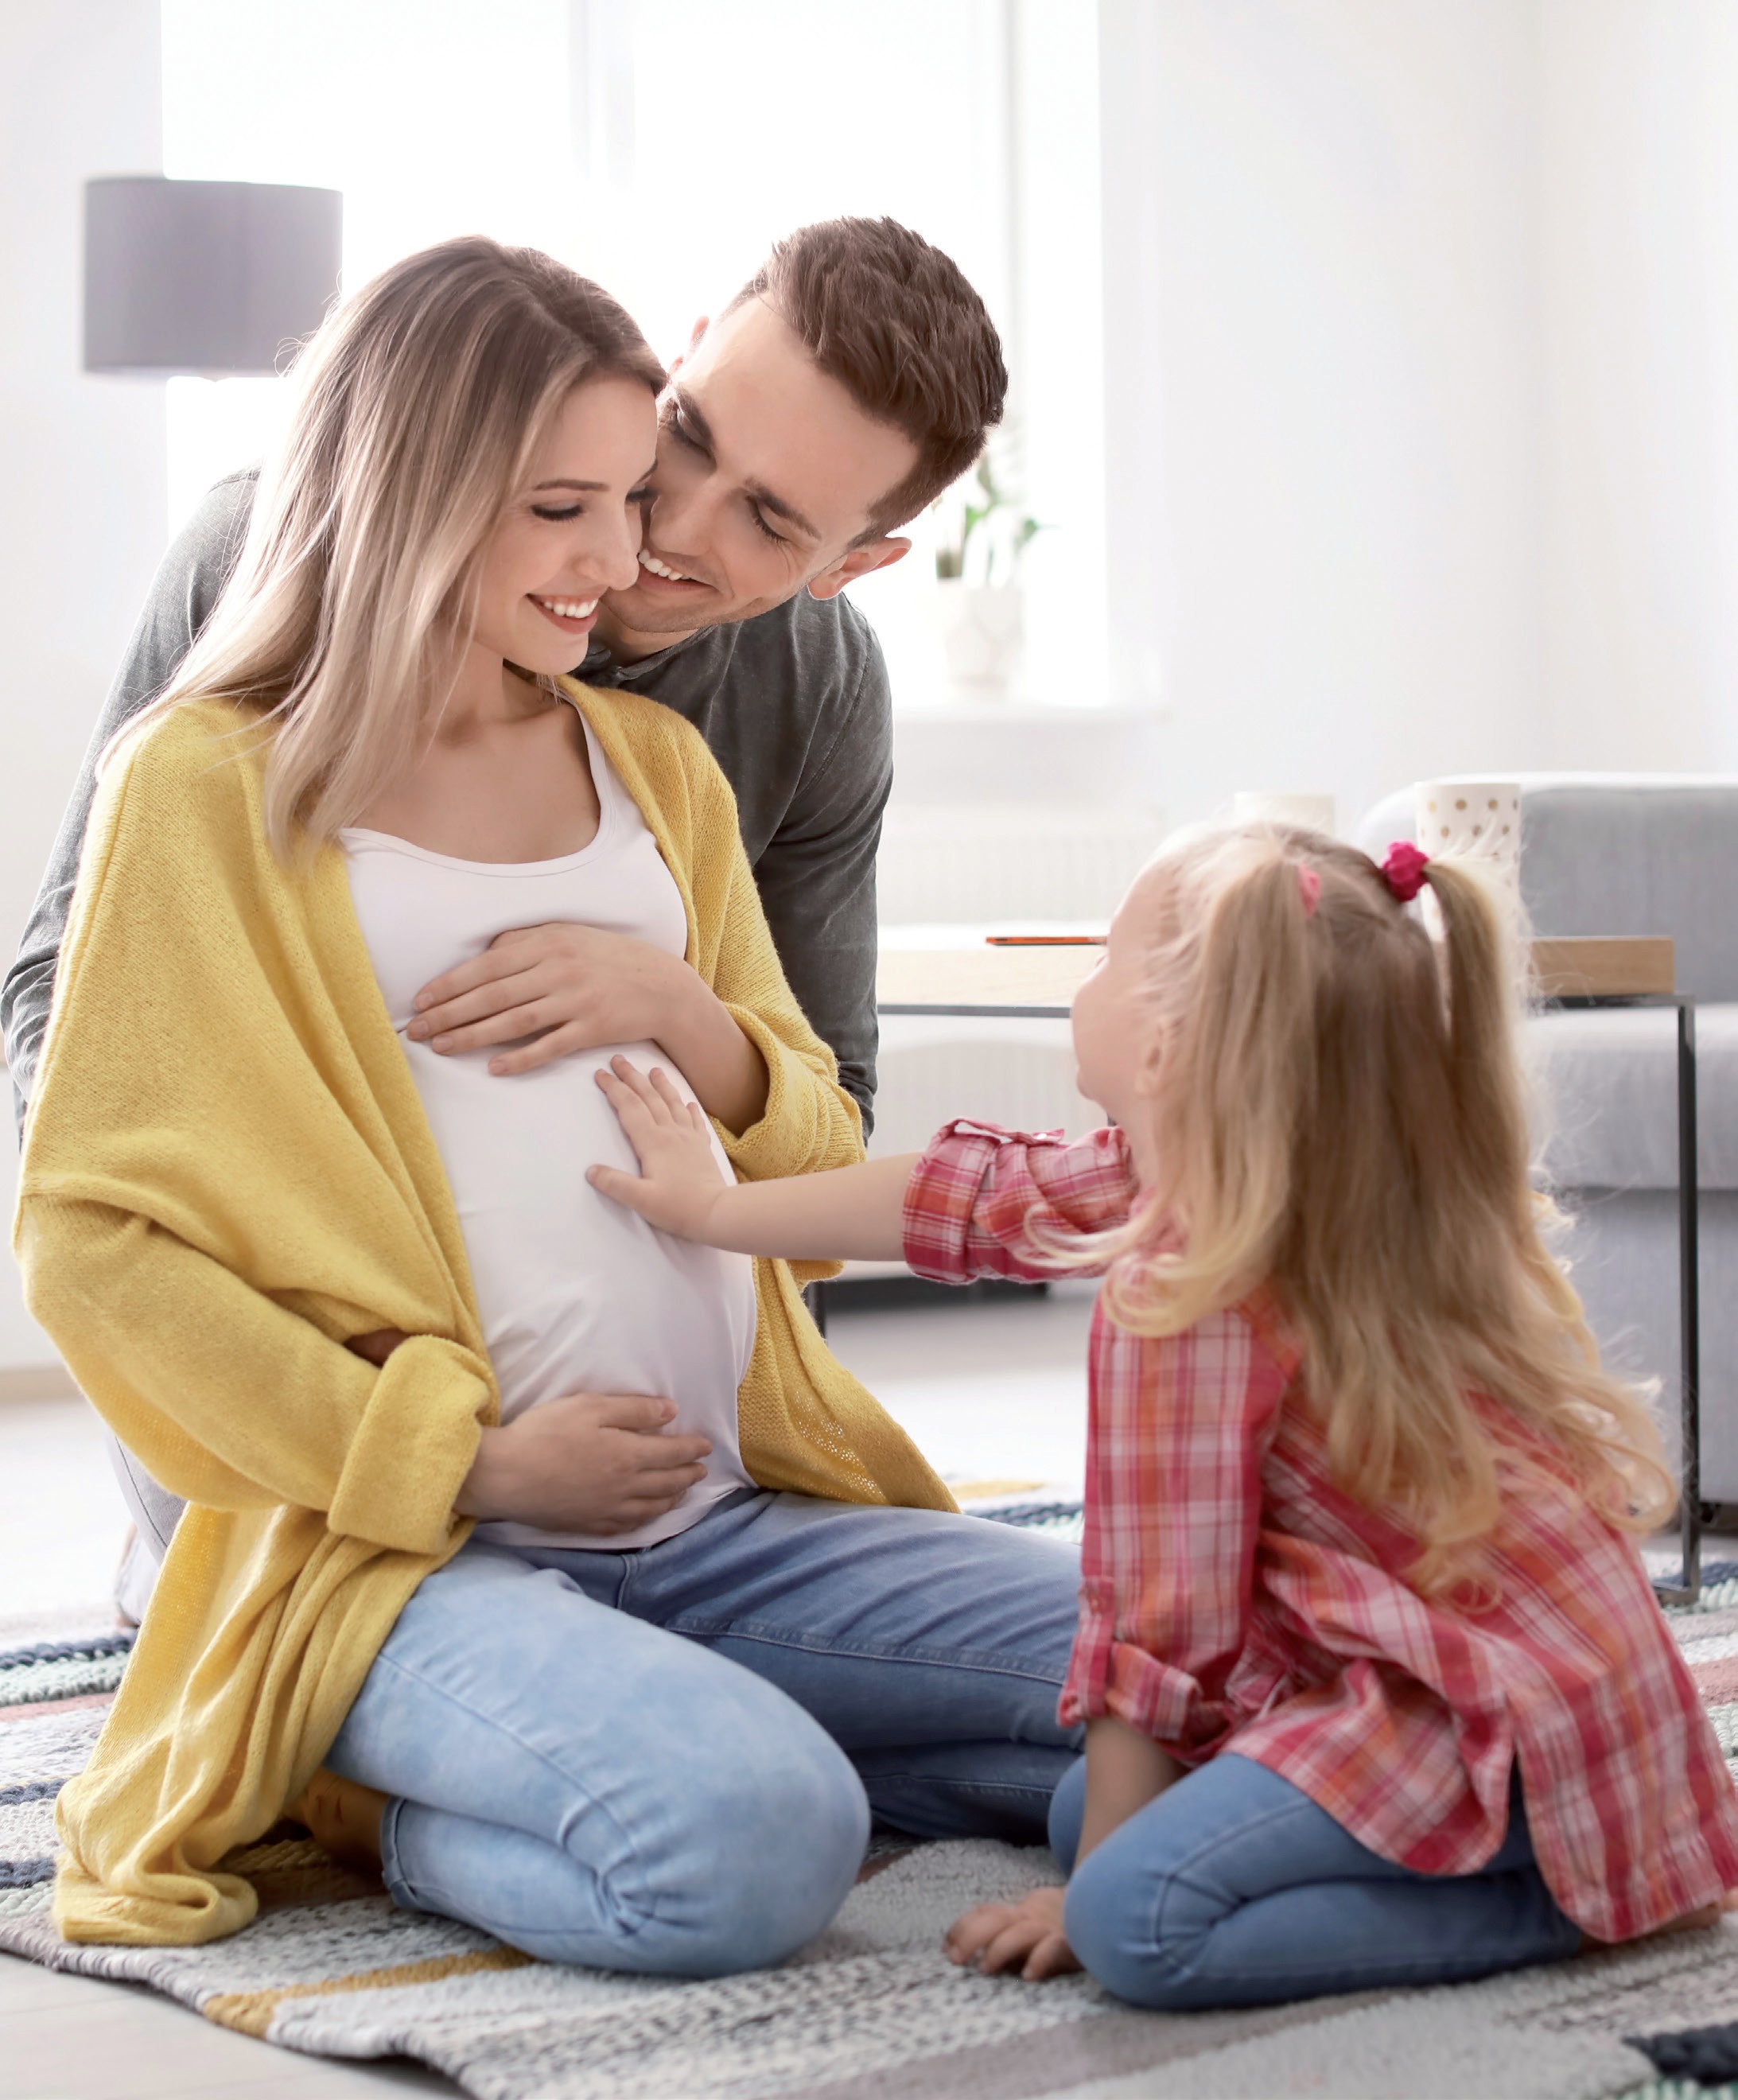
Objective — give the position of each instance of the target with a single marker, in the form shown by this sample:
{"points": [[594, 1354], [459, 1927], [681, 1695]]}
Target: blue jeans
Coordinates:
{"points": [[666, 1760], [1233, 1888]]}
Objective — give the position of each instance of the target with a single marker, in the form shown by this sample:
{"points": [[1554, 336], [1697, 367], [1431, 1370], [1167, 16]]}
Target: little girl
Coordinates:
{"points": [[1375, 1688]]}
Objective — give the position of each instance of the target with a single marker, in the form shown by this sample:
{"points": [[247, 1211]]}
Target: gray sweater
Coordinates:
{"points": [[794, 704]]}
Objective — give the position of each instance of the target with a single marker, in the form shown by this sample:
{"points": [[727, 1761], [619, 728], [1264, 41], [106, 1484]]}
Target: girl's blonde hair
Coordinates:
{"points": [[1339, 1112], [420, 403]]}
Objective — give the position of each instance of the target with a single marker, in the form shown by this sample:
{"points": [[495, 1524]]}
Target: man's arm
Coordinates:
{"points": [[185, 589], [817, 883]]}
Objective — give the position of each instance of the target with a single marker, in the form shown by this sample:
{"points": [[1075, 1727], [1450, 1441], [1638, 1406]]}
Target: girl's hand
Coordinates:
{"points": [[679, 1184], [1027, 1935], [572, 987]]}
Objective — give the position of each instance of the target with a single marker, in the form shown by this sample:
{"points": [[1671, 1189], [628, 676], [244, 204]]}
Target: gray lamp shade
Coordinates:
{"points": [[211, 278]]}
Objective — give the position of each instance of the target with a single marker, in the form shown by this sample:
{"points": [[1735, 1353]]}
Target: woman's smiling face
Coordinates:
{"points": [[571, 531]]}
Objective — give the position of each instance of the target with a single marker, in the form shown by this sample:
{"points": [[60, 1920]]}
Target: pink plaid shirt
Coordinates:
{"points": [[1233, 1597]]}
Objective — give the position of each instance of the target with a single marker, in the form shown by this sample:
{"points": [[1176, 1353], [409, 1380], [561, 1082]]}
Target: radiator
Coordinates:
{"points": [[1017, 1073], [991, 862]]}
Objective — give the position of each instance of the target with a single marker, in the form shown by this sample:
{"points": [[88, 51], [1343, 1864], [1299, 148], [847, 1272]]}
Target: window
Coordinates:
{"points": [[661, 148]]}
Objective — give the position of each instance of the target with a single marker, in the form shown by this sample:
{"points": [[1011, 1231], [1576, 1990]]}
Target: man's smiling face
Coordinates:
{"points": [[768, 471]]}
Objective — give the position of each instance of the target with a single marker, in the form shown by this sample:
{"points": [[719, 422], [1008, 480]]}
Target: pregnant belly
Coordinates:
{"points": [[577, 1294]]}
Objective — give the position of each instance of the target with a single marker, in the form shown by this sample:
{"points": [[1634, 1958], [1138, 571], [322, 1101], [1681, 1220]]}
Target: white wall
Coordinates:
{"points": [[1640, 243], [1421, 379], [1056, 346], [722, 128], [1322, 373], [82, 510]]}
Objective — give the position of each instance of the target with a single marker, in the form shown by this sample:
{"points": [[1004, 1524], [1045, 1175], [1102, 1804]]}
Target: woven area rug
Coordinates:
{"points": [[871, 2011]]}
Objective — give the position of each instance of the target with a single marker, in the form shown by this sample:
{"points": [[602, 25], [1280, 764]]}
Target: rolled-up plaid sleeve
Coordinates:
{"points": [[989, 1201], [1179, 1428]]}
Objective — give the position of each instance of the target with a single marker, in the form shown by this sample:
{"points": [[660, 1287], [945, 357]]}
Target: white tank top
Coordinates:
{"points": [[576, 1293]]}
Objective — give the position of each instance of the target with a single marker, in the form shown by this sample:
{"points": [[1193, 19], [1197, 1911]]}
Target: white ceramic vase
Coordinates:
{"points": [[982, 631]]}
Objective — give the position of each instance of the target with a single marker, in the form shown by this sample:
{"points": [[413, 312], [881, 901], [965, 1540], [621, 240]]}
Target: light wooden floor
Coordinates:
{"points": [[989, 1390], [70, 2038]]}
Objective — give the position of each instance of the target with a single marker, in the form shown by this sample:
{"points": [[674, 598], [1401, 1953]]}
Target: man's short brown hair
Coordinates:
{"points": [[896, 322]]}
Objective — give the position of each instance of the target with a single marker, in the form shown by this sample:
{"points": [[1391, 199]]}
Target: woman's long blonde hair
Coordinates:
{"points": [[419, 403], [1339, 1112]]}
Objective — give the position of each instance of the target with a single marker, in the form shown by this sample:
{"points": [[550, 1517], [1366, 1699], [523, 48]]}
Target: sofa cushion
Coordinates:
{"points": [[1608, 1087]]}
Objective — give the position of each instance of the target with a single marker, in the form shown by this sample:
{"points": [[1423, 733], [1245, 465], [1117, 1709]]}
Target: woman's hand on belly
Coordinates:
{"points": [[590, 1462], [573, 988]]}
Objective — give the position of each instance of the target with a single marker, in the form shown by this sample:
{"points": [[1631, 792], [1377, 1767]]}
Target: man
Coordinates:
{"points": [[850, 382]]}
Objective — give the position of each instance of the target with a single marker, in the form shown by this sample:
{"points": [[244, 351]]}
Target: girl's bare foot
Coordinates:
{"points": [[343, 1817]]}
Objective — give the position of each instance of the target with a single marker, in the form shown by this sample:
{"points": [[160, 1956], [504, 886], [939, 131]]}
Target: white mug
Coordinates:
{"points": [[1481, 817], [1476, 820]]}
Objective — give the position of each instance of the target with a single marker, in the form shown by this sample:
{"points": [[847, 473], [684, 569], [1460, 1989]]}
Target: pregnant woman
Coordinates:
{"points": [[344, 1289]]}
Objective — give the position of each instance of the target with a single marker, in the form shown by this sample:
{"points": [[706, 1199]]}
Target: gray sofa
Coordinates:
{"points": [[1639, 853]]}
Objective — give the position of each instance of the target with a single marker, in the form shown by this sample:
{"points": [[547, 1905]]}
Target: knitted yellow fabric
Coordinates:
{"points": [[227, 1173]]}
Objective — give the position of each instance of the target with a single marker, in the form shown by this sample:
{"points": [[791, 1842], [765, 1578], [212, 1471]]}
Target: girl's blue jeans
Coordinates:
{"points": [[1233, 1888], [666, 1761]]}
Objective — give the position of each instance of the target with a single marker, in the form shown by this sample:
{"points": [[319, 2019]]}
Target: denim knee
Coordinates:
{"points": [[758, 1863], [796, 1830], [1114, 1916]]}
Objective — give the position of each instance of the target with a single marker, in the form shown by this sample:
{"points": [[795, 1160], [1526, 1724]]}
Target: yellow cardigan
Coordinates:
{"points": [[227, 1173]]}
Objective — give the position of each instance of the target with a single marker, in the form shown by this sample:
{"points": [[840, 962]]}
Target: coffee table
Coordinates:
{"points": [[1021, 983]]}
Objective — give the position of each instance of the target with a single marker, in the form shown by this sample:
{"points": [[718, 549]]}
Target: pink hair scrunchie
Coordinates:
{"points": [[1402, 871]]}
